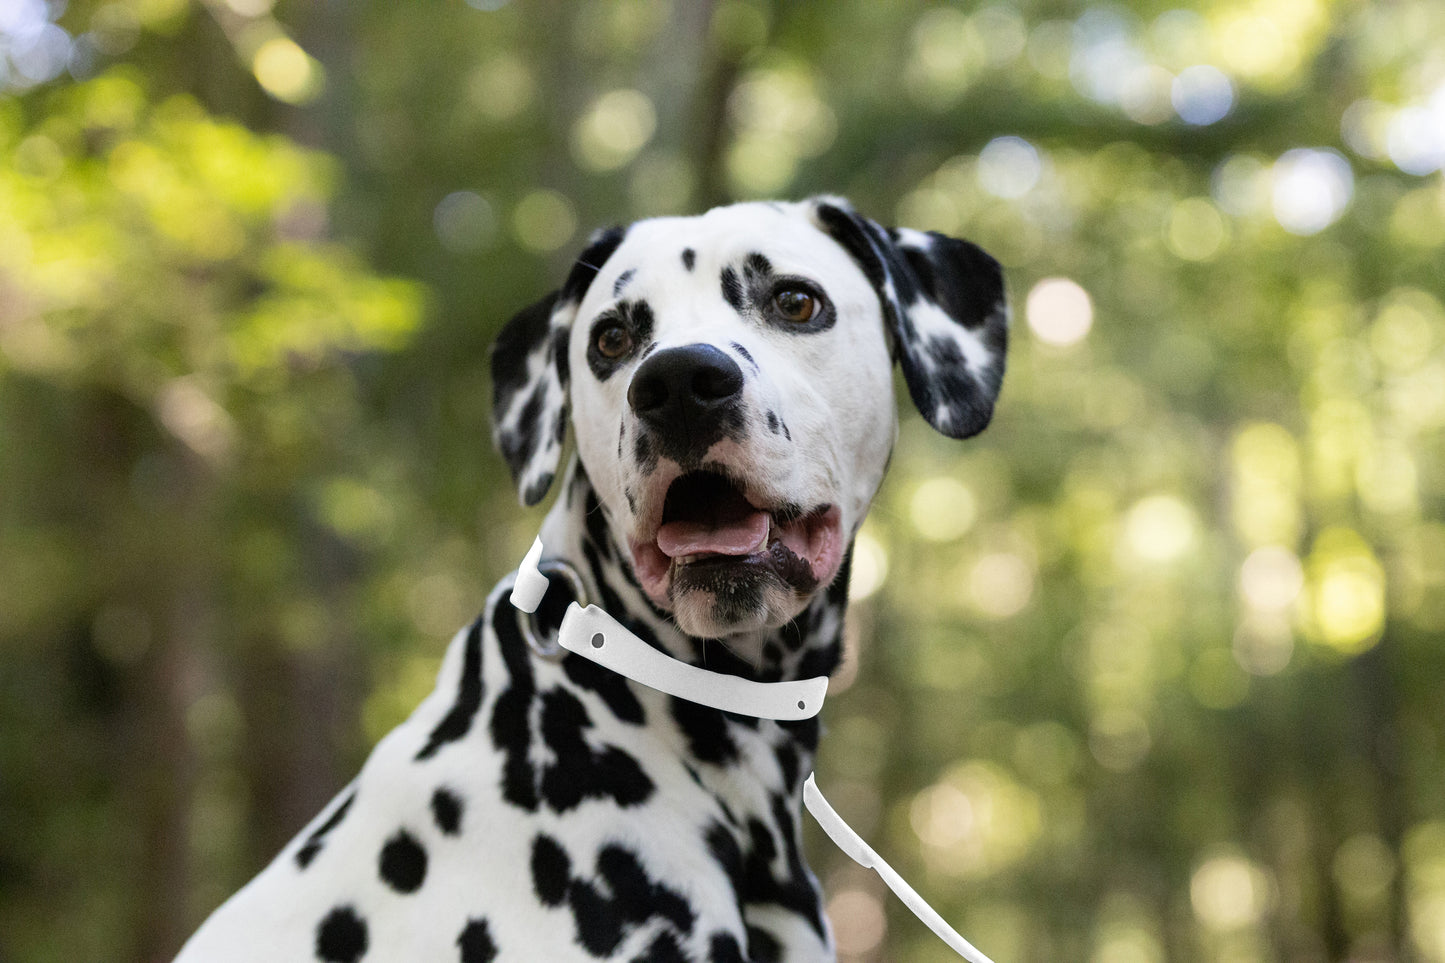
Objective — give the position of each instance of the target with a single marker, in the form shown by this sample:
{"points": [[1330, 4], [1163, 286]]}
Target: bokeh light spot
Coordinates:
{"points": [[544, 220], [1145, 95], [948, 53], [942, 509], [870, 567], [976, 820], [1312, 188], [501, 88], [858, 921], [1160, 528], [1202, 95], [1271, 578], [1347, 592], [1229, 892], [1059, 311], [1009, 167], [287, 72], [1415, 140], [1195, 231], [1000, 584], [464, 222], [614, 129]]}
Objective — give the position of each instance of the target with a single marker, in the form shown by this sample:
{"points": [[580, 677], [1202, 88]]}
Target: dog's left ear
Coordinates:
{"points": [[530, 378], [943, 301]]}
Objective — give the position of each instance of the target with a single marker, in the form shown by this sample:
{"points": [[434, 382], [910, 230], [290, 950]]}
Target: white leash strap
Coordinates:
{"points": [[593, 634], [861, 853]]}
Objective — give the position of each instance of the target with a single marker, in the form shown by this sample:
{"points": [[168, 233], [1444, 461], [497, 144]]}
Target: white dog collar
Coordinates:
{"points": [[593, 634]]}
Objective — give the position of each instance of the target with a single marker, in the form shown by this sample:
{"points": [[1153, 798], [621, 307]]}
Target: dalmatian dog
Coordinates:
{"points": [[728, 380]]}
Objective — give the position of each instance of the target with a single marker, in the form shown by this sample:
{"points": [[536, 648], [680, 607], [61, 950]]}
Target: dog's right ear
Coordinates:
{"points": [[944, 306], [530, 378]]}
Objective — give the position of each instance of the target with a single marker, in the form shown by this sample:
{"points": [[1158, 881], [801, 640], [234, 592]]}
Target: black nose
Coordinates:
{"points": [[684, 391]]}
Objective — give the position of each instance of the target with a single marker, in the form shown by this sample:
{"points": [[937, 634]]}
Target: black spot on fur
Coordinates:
{"points": [[599, 925], [644, 453], [317, 839], [458, 720], [773, 423], [788, 762], [446, 809], [511, 727], [706, 730], [642, 320], [724, 949], [403, 862], [689, 258], [595, 525], [613, 688], [757, 264], [805, 732], [820, 660], [636, 896], [723, 846], [551, 870], [795, 890], [732, 290], [605, 909], [621, 282], [476, 943], [763, 947], [663, 949], [581, 772], [341, 936], [538, 488]]}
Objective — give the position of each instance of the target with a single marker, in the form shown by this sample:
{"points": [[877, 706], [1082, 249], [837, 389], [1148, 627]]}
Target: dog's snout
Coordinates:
{"points": [[681, 388]]}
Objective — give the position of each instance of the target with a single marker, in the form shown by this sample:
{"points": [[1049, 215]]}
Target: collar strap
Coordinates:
{"points": [[593, 634]]}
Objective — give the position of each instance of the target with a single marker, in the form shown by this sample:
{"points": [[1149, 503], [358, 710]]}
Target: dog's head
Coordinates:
{"points": [[729, 380]]}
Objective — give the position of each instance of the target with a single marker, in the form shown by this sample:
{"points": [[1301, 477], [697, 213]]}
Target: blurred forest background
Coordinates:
{"points": [[1152, 670]]}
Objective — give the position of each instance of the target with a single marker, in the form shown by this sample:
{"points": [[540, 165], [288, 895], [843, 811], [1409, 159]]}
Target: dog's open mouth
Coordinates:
{"points": [[710, 532]]}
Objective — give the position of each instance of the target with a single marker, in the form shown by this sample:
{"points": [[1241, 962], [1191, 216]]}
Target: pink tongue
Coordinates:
{"points": [[740, 537]]}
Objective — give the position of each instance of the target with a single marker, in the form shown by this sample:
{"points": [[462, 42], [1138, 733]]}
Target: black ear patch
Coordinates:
{"points": [[943, 302], [530, 374]]}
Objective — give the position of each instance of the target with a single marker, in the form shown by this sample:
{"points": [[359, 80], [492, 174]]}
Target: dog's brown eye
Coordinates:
{"points": [[613, 341], [796, 304]]}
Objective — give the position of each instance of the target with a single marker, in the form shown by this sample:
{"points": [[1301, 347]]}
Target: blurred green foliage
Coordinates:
{"points": [[1152, 670]]}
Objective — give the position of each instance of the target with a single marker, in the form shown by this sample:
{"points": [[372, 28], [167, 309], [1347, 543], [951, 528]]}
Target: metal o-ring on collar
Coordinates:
{"points": [[550, 648]]}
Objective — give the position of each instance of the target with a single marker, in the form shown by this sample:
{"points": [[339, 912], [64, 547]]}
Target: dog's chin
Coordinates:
{"points": [[725, 596]]}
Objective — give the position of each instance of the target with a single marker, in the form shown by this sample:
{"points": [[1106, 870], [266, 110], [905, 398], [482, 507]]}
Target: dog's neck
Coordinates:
{"points": [[576, 530]]}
